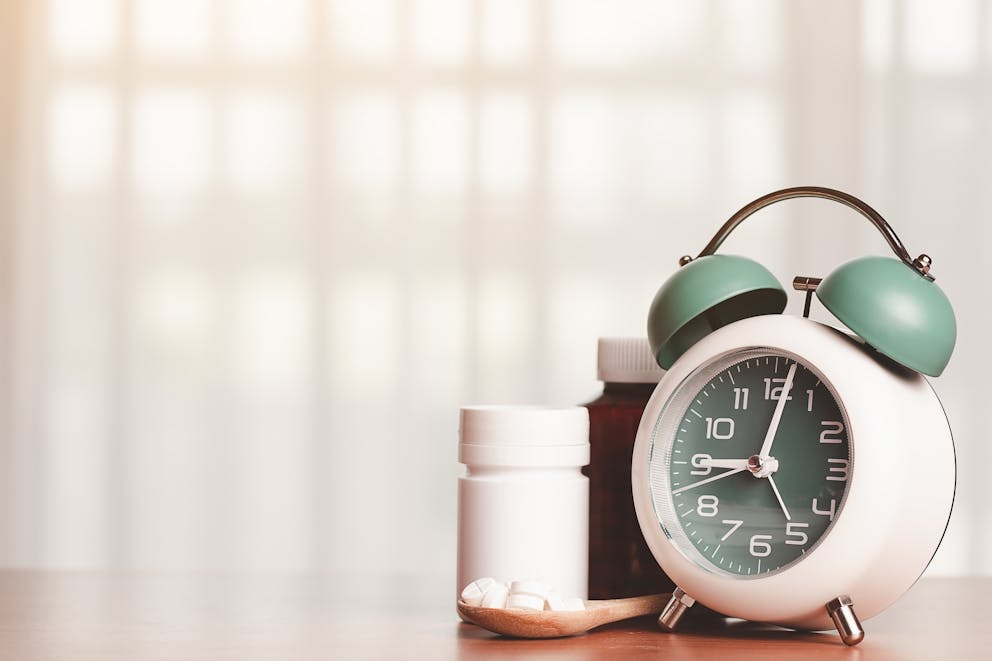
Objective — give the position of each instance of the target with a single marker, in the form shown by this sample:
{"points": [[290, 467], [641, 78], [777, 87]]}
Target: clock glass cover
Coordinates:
{"points": [[749, 462]]}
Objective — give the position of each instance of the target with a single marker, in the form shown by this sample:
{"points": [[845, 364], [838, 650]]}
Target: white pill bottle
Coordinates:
{"points": [[523, 502]]}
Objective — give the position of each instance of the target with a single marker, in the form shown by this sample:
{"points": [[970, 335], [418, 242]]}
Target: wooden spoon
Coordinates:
{"points": [[555, 624]]}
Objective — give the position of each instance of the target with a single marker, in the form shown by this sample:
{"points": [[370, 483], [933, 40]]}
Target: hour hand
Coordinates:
{"points": [[721, 463]]}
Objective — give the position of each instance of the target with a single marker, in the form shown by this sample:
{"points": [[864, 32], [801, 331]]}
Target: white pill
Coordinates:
{"points": [[474, 591], [495, 596], [556, 603], [527, 602], [536, 588]]}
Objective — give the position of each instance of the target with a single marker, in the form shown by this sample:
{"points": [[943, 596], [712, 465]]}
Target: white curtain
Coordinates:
{"points": [[257, 253]]}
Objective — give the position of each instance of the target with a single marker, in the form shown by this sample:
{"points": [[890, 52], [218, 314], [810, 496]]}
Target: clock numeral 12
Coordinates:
{"points": [[775, 391]]}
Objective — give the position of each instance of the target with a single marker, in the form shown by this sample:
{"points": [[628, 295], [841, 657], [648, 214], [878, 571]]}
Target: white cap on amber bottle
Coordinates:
{"points": [[627, 360]]}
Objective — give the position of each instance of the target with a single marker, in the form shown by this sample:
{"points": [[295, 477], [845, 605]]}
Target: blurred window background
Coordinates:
{"points": [[256, 253]]}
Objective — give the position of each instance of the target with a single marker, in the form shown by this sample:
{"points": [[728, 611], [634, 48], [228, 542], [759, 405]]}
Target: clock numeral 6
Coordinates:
{"points": [[697, 462], [707, 505], [760, 548], [831, 433], [791, 530], [720, 428]]}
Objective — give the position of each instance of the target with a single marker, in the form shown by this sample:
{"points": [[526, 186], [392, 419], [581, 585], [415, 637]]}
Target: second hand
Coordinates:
{"points": [[709, 479]]}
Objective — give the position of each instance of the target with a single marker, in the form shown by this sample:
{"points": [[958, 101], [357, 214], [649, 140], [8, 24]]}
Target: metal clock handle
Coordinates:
{"points": [[921, 264]]}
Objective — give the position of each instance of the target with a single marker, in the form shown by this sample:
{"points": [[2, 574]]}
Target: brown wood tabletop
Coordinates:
{"points": [[133, 617]]}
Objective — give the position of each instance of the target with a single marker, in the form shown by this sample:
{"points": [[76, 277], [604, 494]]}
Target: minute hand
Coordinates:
{"points": [[766, 447]]}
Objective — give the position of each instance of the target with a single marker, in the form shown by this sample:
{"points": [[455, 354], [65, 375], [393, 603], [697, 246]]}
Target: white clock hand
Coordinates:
{"points": [[722, 463], [766, 447], [709, 479], [781, 502], [759, 467]]}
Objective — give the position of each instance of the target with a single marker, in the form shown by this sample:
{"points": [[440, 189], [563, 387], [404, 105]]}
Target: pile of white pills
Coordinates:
{"points": [[519, 595]]}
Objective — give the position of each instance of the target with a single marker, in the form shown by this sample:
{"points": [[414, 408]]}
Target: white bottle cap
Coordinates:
{"points": [[524, 436], [626, 360]]}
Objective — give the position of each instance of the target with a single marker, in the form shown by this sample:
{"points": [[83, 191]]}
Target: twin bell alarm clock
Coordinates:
{"points": [[785, 471]]}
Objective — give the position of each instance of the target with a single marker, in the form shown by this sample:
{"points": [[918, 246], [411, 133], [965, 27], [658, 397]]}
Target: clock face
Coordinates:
{"points": [[749, 462]]}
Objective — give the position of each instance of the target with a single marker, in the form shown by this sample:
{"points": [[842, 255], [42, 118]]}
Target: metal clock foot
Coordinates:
{"points": [[841, 611], [675, 609]]}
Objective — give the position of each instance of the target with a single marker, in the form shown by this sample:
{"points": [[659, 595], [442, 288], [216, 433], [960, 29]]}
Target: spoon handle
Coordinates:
{"points": [[614, 610]]}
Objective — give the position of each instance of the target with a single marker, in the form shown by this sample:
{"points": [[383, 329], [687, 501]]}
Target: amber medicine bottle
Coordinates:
{"points": [[620, 564]]}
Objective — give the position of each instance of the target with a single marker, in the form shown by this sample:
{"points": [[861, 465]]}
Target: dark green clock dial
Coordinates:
{"points": [[731, 507]]}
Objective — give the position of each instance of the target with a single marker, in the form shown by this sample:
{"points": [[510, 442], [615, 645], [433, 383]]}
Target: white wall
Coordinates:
{"points": [[263, 252]]}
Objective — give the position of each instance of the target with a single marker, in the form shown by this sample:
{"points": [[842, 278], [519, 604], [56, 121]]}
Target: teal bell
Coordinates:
{"points": [[895, 309], [893, 304], [705, 294]]}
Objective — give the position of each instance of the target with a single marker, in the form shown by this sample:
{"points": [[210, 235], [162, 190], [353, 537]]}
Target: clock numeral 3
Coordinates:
{"points": [[840, 468], [707, 505]]}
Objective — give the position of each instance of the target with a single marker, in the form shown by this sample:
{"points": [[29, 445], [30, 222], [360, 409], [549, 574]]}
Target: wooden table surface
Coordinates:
{"points": [[209, 616]]}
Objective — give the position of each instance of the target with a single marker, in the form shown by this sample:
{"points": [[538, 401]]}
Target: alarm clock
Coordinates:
{"points": [[786, 471]]}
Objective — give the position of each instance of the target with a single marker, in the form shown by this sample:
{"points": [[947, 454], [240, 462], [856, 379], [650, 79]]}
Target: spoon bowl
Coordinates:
{"points": [[557, 624]]}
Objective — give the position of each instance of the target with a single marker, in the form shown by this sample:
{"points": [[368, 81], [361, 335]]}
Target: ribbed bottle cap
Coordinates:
{"points": [[524, 436], [627, 360]]}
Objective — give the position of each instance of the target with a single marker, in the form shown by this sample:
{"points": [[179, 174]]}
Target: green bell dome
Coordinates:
{"points": [[896, 310], [706, 294]]}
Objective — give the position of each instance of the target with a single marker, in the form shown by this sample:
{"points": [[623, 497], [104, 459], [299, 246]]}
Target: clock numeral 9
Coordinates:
{"points": [[799, 535], [697, 462], [707, 505], [760, 548], [831, 433], [713, 428]]}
